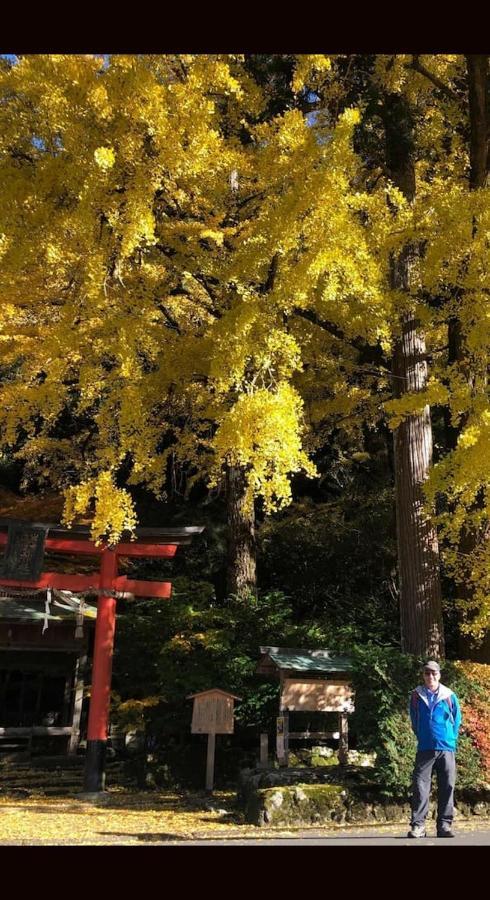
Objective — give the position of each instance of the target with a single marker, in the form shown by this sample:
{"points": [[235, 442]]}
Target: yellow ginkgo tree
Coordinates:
{"points": [[185, 272]]}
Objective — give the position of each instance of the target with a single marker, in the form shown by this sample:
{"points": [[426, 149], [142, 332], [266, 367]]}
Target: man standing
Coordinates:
{"points": [[435, 717]]}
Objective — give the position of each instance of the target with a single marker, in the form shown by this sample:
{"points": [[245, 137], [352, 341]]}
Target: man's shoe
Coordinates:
{"points": [[445, 832], [417, 831]]}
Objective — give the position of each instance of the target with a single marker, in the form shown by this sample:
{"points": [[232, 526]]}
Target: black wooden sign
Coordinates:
{"points": [[24, 555]]}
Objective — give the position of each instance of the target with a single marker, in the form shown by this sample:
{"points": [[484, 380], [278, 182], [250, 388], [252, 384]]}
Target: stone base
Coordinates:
{"points": [[300, 798]]}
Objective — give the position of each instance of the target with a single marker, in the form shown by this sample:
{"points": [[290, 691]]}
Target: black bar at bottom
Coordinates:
{"points": [[95, 766]]}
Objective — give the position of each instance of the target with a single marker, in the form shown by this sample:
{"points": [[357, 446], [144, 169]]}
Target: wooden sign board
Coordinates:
{"points": [[317, 695], [212, 714]]}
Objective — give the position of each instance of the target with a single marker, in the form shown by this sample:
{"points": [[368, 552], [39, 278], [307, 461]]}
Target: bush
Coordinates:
{"points": [[184, 767]]}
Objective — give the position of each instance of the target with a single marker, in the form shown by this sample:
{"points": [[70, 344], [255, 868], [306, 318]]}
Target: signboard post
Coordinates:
{"points": [[212, 714], [344, 739], [210, 762]]}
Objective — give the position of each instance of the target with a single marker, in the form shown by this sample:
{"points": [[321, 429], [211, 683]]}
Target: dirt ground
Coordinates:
{"points": [[125, 817]]}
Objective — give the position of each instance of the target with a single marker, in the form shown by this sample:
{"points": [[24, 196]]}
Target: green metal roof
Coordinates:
{"points": [[300, 660]]}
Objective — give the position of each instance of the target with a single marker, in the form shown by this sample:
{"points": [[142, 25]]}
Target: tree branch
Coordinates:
{"points": [[16, 153], [271, 275], [167, 251], [419, 67], [256, 196], [170, 319], [371, 353], [180, 292]]}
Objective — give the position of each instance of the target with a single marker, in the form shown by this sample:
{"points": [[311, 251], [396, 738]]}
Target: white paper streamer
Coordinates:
{"points": [[47, 609], [79, 628]]}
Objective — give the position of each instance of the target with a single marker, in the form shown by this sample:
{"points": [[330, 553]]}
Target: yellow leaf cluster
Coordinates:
{"points": [[262, 434]]}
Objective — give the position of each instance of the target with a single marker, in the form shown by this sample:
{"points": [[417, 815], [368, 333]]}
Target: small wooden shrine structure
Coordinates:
{"points": [[21, 569], [44, 653], [310, 681], [212, 714]]}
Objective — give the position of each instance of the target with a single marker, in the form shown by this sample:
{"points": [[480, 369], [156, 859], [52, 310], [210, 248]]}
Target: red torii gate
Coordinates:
{"points": [[150, 542]]}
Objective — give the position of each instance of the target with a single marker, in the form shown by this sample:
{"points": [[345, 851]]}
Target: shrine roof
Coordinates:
{"points": [[300, 660], [32, 609], [182, 535]]}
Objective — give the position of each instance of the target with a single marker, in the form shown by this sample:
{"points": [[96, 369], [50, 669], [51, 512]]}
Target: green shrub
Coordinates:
{"points": [[468, 762]]}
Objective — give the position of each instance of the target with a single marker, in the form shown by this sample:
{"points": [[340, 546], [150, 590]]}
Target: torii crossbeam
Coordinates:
{"points": [[149, 542]]}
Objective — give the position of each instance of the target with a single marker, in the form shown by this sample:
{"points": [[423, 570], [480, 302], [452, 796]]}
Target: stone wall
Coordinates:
{"points": [[328, 796]]}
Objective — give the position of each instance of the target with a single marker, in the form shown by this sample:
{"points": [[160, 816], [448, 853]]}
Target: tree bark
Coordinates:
{"points": [[241, 557], [421, 623], [422, 630], [479, 147], [478, 88]]}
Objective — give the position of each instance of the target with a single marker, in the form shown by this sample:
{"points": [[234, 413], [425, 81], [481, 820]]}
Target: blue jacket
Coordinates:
{"points": [[436, 730]]}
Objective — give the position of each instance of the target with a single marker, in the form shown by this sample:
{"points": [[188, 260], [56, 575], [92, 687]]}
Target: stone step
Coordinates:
{"points": [[112, 774], [40, 773], [73, 791], [54, 762], [47, 777], [56, 778], [26, 771]]}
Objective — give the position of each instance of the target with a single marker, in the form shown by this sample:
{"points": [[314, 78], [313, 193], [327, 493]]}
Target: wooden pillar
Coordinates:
{"points": [[101, 676], [3, 695], [285, 715], [65, 715], [280, 753], [282, 739], [21, 699], [344, 738], [264, 751], [37, 711], [77, 704], [210, 762], [280, 748]]}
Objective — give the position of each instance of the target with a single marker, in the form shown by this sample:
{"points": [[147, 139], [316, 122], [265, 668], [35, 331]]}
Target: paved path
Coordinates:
{"points": [[390, 836], [467, 834], [480, 839], [475, 839]]}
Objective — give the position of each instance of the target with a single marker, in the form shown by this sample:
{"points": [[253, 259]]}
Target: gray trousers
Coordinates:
{"points": [[443, 761]]}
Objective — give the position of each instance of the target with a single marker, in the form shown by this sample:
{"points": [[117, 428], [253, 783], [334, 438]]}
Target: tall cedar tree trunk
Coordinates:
{"points": [[479, 115], [422, 632], [478, 107], [241, 556]]}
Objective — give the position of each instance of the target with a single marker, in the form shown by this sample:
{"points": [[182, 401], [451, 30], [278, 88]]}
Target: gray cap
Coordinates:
{"points": [[433, 666]]}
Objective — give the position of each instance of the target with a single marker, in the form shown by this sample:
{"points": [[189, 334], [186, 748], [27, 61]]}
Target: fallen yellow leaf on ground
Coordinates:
{"points": [[122, 816]]}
